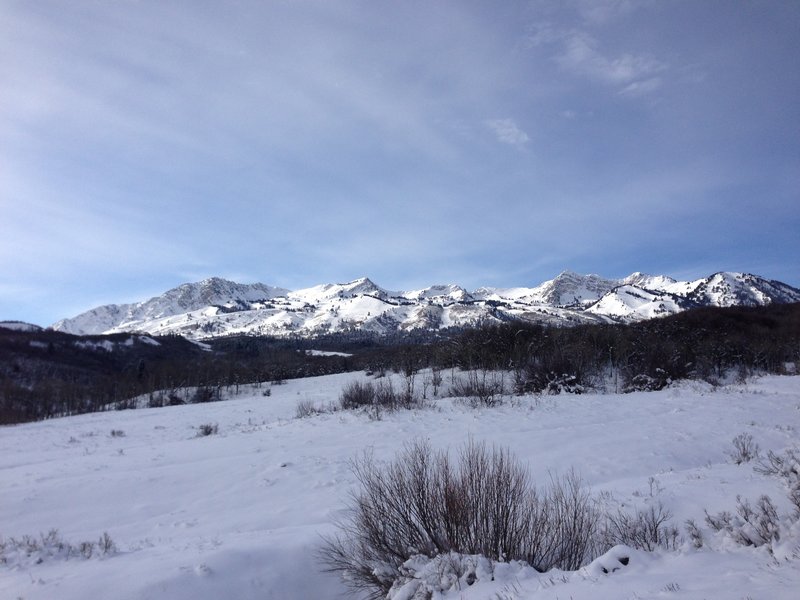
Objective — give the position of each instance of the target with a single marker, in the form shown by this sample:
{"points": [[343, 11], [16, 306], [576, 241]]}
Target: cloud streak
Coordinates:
{"points": [[581, 56], [508, 132]]}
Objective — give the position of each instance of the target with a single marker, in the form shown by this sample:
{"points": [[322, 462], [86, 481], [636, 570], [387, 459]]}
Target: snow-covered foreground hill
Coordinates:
{"points": [[239, 514]]}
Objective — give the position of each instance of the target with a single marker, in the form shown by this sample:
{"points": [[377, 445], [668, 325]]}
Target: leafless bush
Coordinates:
{"points": [[86, 549], [434, 379], [424, 503], [207, 429], [306, 408], [207, 394], [751, 526], [695, 535], [644, 529], [481, 387], [377, 397], [357, 394], [36, 550], [642, 382], [385, 396], [117, 433], [744, 449], [786, 467], [106, 545]]}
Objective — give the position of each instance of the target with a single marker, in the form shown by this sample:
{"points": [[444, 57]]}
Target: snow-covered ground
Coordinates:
{"points": [[239, 514]]}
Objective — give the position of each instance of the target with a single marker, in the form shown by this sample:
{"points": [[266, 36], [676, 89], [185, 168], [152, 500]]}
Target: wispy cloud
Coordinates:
{"points": [[581, 55], [603, 11], [508, 132], [641, 87]]}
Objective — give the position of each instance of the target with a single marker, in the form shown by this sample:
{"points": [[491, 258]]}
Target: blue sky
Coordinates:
{"points": [[144, 144]]}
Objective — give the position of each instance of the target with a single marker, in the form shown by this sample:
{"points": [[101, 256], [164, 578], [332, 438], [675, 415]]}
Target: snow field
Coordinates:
{"points": [[239, 514]]}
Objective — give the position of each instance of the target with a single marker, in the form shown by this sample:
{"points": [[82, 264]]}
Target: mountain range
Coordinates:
{"points": [[217, 307]]}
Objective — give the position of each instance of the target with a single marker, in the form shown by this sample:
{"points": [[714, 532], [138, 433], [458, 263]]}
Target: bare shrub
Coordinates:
{"points": [[751, 526], [308, 408], [642, 382], [207, 429], [29, 550], [744, 449], [86, 549], [357, 394], [379, 396], [206, 394], [106, 545], [786, 466], [385, 396], [644, 529], [695, 535], [425, 503], [436, 380], [481, 387], [117, 433]]}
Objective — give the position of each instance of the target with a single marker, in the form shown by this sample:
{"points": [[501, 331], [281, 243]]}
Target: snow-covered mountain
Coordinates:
{"points": [[19, 326], [217, 307]]}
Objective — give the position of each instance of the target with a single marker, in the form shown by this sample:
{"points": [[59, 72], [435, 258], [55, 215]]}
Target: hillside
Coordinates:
{"points": [[45, 373]]}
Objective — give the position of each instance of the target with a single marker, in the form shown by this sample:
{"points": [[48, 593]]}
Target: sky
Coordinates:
{"points": [[145, 143]]}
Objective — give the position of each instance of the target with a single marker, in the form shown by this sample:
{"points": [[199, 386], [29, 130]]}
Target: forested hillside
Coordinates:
{"points": [[46, 374]]}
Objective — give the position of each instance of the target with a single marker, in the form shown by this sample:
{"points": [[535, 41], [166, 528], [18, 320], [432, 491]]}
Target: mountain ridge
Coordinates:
{"points": [[217, 307]]}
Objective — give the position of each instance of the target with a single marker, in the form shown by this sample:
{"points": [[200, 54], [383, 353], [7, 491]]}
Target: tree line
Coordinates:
{"points": [[46, 374]]}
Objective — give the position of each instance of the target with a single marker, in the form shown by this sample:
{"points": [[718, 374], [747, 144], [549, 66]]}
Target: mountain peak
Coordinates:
{"points": [[573, 289], [647, 281], [217, 306]]}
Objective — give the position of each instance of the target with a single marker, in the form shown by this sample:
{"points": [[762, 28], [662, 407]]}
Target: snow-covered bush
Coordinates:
{"points": [[787, 467], [421, 576], [541, 381], [694, 533], [750, 526], [426, 504], [30, 550], [760, 524], [643, 382]]}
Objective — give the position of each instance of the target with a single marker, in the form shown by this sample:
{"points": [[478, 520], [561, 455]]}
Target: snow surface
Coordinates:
{"points": [[19, 326], [239, 514]]}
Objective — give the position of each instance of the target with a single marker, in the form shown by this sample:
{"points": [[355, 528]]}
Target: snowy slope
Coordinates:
{"points": [[239, 514], [632, 303], [572, 289], [217, 307], [741, 289], [183, 299], [19, 326]]}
